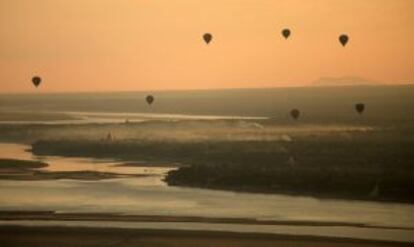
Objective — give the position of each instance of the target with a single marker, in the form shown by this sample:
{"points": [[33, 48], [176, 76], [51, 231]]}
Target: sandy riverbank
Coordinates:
{"points": [[78, 236]]}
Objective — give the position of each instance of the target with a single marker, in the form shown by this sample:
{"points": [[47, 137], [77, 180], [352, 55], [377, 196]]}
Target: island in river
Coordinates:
{"points": [[329, 161]]}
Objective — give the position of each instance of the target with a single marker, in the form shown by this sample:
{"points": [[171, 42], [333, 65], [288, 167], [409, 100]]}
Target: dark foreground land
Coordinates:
{"points": [[17, 236], [52, 215]]}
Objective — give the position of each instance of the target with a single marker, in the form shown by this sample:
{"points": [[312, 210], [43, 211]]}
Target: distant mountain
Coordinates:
{"points": [[343, 81]]}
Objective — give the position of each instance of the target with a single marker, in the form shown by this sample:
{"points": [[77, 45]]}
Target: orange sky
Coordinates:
{"points": [[112, 45]]}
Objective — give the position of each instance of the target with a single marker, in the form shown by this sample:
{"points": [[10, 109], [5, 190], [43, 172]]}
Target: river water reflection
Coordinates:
{"points": [[149, 195]]}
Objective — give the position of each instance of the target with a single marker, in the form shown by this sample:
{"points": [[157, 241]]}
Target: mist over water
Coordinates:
{"points": [[385, 104]]}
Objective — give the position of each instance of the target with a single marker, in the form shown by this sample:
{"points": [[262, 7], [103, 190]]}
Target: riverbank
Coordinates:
{"points": [[15, 165], [54, 216], [28, 170], [80, 236]]}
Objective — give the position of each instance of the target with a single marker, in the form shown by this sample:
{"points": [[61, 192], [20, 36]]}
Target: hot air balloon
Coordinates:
{"points": [[343, 39], [295, 113], [286, 33], [360, 107], [207, 38], [150, 99], [36, 80]]}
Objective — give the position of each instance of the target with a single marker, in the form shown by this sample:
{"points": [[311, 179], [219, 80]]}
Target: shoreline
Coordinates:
{"points": [[13, 215], [93, 236], [28, 170], [315, 195]]}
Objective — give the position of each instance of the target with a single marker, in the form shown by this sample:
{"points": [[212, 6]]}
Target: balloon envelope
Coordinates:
{"points": [[360, 107], [36, 80], [150, 99], [207, 37], [286, 33], [343, 39], [295, 113]]}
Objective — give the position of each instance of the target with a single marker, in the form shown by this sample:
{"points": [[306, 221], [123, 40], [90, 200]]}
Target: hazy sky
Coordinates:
{"points": [[108, 45]]}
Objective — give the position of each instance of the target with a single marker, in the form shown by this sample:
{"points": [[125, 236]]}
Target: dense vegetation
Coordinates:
{"points": [[365, 171]]}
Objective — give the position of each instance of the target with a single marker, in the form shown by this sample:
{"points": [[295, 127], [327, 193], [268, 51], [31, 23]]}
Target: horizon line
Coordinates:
{"points": [[38, 91]]}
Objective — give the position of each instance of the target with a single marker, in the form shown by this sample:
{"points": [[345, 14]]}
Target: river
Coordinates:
{"points": [[149, 195]]}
